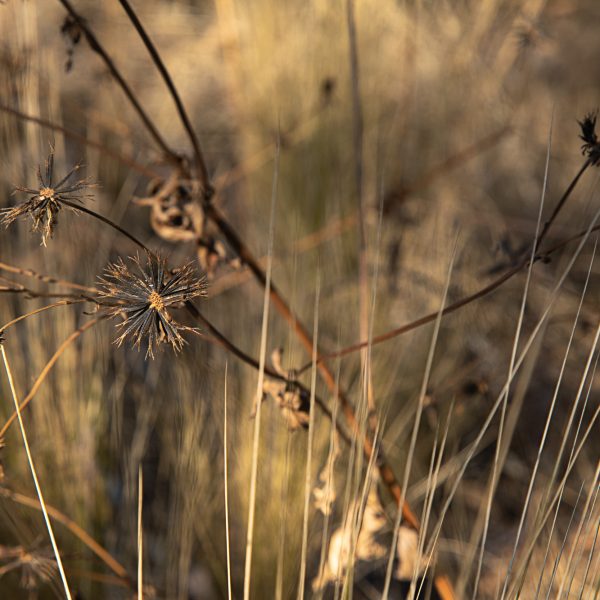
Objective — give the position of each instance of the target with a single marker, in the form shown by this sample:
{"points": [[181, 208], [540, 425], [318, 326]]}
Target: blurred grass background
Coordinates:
{"points": [[479, 83]]}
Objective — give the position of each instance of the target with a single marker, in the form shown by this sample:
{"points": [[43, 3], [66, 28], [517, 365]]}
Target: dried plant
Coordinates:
{"points": [[325, 492], [144, 291], [143, 296], [590, 146], [37, 566], [45, 203], [293, 401], [175, 215], [369, 546]]}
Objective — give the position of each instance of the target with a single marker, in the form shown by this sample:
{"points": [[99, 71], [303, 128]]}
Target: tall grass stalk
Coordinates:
{"points": [[417, 423], [34, 476], [260, 385]]}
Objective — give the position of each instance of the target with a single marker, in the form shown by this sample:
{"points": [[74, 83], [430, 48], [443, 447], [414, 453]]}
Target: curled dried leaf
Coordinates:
{"points": [[176, 215], [369, 545], [325, 492], [407, 554], [292, 400], [211, 254]]}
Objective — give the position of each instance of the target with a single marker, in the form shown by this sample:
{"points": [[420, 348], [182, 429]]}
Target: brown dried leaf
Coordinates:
{"points": [[407, 553], [325, 493], [175, 216]]}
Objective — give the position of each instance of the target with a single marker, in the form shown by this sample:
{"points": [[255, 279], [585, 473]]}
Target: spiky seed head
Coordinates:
{"points": [[142, 294], [46, 201]]}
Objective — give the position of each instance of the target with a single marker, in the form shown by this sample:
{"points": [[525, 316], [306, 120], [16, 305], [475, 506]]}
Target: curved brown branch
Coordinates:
{"points": [[488, 289], [101, 552], [99, 49], [200, 163], [107, 221]]}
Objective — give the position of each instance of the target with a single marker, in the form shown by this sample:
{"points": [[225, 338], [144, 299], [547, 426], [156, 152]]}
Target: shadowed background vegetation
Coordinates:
{"points": [[460, 101]]}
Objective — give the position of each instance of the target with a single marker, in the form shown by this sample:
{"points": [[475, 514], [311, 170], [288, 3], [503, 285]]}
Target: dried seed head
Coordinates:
{"points": [[37, 566], [71, 32], [143, 295], [45, 202], [590, 146]]}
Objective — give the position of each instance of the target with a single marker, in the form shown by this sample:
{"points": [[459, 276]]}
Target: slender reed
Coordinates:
{"points": [[226, 488], [34, 474], [308, 480], [140, 536], [259, 386]]}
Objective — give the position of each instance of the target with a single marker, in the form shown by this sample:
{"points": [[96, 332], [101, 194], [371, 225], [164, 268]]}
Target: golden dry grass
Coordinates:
{"points": [[458, 99]]}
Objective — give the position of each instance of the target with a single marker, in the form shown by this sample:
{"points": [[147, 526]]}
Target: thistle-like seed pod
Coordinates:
{"points": [[590, 146], [143, 296], [45, 203]]}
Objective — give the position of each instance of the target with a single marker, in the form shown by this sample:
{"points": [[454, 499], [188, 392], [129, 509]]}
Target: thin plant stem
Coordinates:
{"points": [[101, 552], [99, 49], [429, 318], [494, 408], [309, 447], [46, 278], [69, 133], [140, 536], [108, 222], [496, 470], [226, 488], [417, 422], [221, 340], [17, 288], [358, 142], [560, 204], [259, 388], [157, 60], [34, 474], [39, 310], [47, 368], [542, 443]]}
